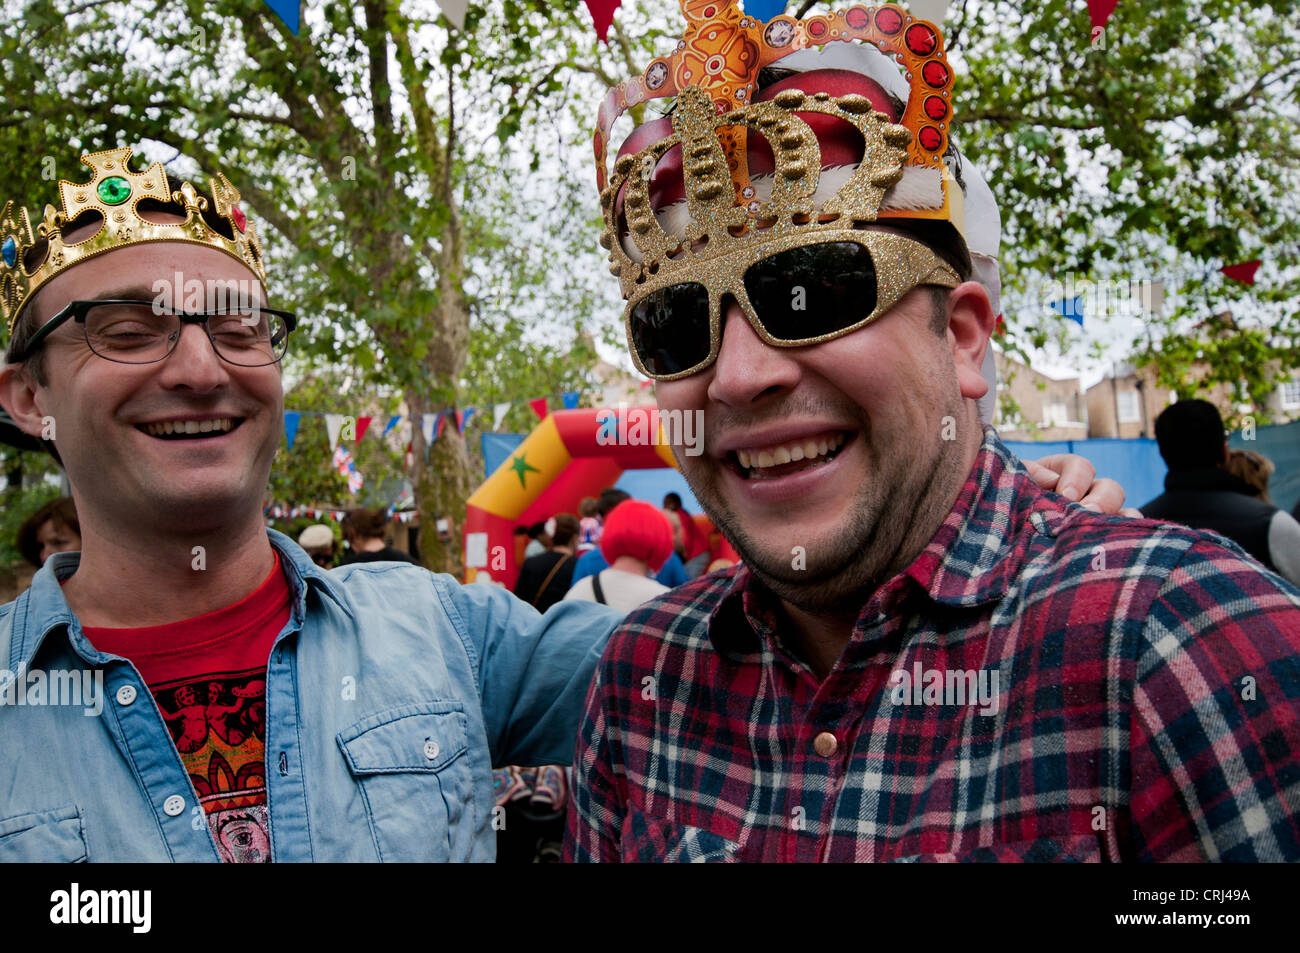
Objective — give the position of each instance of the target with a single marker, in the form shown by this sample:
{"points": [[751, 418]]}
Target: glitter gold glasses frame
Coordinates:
{"points": [[900, 264]]}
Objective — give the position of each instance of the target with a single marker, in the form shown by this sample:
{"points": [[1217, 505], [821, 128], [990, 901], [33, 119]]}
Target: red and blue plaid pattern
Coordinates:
{"points": [[1148, 705]]}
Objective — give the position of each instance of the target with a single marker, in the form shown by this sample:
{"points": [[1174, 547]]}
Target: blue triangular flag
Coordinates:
{"points": [[1071, 308], [392, 422], [291, 418], [287, 11], [764, 10], [570, 398]]}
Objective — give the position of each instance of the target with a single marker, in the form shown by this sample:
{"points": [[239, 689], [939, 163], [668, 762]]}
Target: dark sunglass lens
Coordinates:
{"points": [[814, 290], [670, 329]]}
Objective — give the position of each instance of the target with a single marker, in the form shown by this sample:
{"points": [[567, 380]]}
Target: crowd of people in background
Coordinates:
{"points": [[618, 551]]}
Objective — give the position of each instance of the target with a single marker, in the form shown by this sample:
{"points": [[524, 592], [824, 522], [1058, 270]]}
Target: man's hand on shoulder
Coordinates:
{"points": [[1075, 478]]}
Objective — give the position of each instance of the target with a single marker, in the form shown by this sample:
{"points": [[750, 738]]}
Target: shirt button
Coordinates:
{"points": [[825, 744], [431, 750], [174, 805], [125, 695]]}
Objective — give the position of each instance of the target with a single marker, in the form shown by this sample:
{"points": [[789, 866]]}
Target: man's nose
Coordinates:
{"points": [[747, 368], [194, 363]]}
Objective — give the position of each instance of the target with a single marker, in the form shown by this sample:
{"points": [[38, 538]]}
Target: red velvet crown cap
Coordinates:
{"points": [[839, 142]]}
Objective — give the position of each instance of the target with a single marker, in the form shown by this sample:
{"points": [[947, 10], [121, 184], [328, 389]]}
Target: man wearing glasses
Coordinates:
{"points": [[252, 706], [923, 655]]}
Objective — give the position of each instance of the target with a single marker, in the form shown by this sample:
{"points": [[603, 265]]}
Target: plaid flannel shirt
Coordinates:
{"points": [[1041, 683]]}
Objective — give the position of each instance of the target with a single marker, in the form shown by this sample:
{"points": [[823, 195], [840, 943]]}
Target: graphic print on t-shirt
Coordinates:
{"points": [[218, 723]]}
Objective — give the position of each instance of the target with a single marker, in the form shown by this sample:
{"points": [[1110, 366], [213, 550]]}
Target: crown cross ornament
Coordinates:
{"points": [[31, 257]]}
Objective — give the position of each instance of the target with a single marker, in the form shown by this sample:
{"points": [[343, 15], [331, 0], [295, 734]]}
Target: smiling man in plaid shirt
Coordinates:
{"points": [[924, 656]]}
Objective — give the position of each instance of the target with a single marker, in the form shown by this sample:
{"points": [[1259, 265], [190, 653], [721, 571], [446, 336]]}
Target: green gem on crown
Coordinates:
{"points": [[114, 190]]}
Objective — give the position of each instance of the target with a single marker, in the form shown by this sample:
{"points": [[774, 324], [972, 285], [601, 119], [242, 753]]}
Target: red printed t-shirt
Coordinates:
{"points": [[208, 676]]}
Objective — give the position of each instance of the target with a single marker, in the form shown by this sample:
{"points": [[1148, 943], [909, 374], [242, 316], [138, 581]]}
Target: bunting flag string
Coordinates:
{"points": [[602, 15], [287, 11], [291, 419], [278, 512], [1099, 11], [333, 424], [1074, 296], [1244, 272], [431, 424], [498, 414]]}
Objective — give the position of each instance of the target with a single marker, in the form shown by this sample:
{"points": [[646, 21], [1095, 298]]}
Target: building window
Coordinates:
{"points": [[1129, 411], [1290, 392], [1058, 415]]}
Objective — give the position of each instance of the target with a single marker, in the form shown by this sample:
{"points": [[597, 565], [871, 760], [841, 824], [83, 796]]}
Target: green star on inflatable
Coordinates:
{"points": [[522, 466]]}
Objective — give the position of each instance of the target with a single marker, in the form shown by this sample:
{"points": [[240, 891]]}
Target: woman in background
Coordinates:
{"points": [[53, 528]]}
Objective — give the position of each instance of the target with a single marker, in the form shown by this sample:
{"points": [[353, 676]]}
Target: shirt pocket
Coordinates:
{"points": [[56, 836], [1051, 850], [651, 840], [411, 765]]}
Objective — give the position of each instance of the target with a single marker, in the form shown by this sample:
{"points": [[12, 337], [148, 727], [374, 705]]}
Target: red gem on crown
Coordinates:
{"points": [[889, 21]]}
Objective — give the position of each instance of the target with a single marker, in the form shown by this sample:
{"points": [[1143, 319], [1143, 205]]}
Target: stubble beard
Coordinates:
{"points": [[896, 511]]}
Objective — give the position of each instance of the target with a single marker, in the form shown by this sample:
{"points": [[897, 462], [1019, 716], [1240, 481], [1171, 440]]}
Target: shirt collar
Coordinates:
{"points": [[974, 556], [42, 608], [971, 560]]}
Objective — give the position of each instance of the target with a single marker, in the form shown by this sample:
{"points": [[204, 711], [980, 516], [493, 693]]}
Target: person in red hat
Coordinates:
{"points": [[636, 542]]}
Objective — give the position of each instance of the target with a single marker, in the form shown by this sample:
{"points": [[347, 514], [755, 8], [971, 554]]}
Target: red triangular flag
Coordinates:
{"points": [[539, 407], [1000, 326], [437, 427], [457, 416], [362, 424], [1100, 11], [1245, 272], [602, 14]]}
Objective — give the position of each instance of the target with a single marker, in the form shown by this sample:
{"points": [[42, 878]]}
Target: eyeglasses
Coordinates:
{"points": [[130, 331], [802, 290]]}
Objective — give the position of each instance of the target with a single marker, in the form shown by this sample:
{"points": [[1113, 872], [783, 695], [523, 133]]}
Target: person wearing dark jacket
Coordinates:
{"points": [[1200, 493], [544, 579]]}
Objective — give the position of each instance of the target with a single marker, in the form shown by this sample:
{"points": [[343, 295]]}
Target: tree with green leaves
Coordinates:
{"points": [[359, 142], [1163, 147]]}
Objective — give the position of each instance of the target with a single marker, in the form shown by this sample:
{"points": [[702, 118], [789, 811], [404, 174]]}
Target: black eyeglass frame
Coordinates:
{"points": [[77, 310]]}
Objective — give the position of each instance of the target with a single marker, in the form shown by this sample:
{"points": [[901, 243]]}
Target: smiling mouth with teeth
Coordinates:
{"points": [[778, 461], [190, 429]]}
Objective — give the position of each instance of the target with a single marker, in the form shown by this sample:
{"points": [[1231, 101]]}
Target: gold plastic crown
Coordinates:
{"points": [[713, 72], [28, 259]]}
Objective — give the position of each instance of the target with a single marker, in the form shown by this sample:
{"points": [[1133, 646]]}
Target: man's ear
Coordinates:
{"points": [[970, 324], [19, 399]]}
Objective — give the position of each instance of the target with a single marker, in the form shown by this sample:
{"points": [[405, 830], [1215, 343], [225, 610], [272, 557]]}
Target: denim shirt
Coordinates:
{"points": [[390, 695]]}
